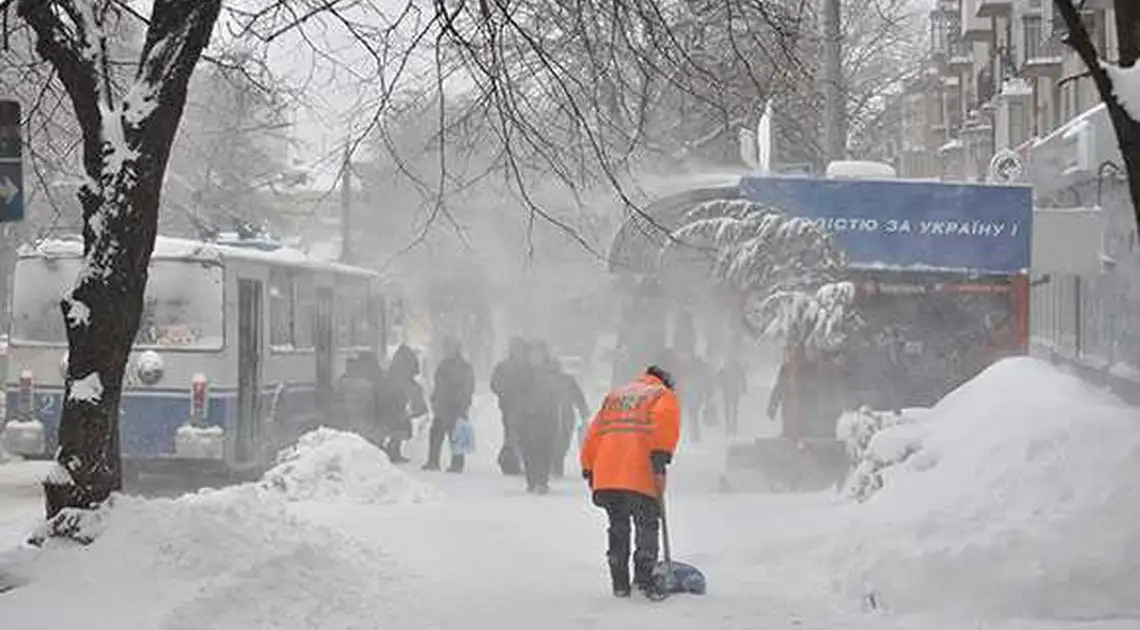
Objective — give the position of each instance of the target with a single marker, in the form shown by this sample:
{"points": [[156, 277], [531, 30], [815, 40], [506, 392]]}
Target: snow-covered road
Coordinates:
{"points": [[339, 539]]}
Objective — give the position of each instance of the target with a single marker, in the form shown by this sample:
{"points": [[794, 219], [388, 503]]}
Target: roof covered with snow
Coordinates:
{"points": [[171, 248]]}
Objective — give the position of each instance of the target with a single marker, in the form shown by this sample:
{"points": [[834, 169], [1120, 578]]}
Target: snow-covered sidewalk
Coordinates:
{"points": [[336, 537]]}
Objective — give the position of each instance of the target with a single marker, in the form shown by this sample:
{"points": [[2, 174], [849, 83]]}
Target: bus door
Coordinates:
{"points": [[323, 343], [249, 371]]}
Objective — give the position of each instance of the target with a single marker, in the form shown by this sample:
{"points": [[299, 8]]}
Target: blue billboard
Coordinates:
{"points": [[899, 224]]}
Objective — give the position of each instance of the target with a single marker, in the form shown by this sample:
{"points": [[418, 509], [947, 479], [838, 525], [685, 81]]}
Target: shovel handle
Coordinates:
{"points": [[665, 539]]}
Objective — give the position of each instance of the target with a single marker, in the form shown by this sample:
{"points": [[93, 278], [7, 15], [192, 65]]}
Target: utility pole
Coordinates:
{"points": [[834, 105], [346, 205]]}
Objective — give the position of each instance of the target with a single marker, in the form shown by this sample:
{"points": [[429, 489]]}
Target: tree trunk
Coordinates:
{"points": [[1127, 129], [126, 146]]}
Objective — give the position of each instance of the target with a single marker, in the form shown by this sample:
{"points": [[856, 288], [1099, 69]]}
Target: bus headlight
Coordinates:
{"points": [[149, 367]]}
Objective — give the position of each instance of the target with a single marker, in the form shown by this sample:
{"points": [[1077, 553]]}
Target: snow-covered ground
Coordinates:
{"points": [[1019, 500]]}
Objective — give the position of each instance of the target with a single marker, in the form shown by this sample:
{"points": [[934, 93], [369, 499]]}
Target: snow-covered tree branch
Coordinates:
{"points": [[785, 271]]}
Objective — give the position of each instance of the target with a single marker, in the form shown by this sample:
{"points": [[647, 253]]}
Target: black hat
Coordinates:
{"points": [[661, 374]]}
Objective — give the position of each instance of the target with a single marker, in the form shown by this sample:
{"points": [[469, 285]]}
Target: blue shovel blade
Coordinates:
{"points": [[683, 578]]}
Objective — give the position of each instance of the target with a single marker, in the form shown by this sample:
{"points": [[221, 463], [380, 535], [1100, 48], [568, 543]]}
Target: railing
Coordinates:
{"points": [[1092, 325]]}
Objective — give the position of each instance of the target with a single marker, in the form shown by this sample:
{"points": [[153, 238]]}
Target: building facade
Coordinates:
{"points": [[999, 79]]}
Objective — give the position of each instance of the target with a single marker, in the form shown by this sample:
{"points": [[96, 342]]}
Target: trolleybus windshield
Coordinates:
{"points": [[183, 304]]}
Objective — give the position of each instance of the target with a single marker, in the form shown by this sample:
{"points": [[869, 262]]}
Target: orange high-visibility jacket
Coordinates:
{"points": [[636, 422]]}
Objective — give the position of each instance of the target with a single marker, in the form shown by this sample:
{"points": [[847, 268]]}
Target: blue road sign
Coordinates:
{"points": [[11, 190], [11, 163]]}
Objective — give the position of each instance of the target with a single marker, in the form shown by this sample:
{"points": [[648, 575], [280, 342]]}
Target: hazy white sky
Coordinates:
{"points": [[335, 74]]}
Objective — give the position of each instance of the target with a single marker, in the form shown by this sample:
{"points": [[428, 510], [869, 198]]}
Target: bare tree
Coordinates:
{"points": [[1113, 79], [230, 156], [127, 138]]}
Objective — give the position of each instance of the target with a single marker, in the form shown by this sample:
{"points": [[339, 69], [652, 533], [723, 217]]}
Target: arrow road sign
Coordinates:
{"points": [[11, 162], [11, 191]]}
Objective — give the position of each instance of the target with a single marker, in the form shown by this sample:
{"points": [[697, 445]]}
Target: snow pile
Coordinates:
{"points": [[231, 558], [220, 559], [1021, 498], [331, 465]]}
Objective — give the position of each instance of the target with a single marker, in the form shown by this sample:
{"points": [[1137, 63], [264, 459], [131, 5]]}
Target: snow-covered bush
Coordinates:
{"points": [[786, 271], [876, 441]]}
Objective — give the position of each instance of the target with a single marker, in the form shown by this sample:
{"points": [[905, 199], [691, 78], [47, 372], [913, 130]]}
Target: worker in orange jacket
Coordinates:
{"points": [[628, 446]]}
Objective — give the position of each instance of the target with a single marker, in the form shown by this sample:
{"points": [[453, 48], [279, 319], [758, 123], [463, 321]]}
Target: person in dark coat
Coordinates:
{"points": [[407, 400], [358, 395], [572, 407], [538, 428], [451, 396], [733, 380], [508, 383], [813, 391], [695, 374]]}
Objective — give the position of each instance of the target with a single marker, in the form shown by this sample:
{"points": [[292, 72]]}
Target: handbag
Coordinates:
{"points": [[462, 438]]}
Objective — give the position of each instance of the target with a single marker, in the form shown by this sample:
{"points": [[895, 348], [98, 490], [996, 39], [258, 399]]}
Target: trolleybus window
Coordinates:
{"points": [[182, 308]]}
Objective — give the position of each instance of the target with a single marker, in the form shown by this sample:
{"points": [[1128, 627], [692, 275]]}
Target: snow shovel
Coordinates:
{"points": [[676, 577]]}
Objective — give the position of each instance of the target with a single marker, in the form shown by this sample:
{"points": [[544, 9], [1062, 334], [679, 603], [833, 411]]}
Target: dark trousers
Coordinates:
{"points": [[631, 512], [731, 413], [537, 455], [559, 451], [693, 411], [441, 429]]}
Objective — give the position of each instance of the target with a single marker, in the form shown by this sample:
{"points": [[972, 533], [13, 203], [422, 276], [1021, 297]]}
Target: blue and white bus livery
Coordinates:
{"points": [[237, 351]]}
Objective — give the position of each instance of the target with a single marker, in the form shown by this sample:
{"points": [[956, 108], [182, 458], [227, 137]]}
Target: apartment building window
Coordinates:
{"points": [[1033, 35]]}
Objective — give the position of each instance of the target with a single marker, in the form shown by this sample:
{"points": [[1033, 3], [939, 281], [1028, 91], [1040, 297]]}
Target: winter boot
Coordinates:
{"points": [[646, 583], [619, 577]]}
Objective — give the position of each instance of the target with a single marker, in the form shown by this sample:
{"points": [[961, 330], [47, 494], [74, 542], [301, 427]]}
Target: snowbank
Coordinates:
{"points": [[1020, 496], [225, 559], [231, 558], [331, 465]]}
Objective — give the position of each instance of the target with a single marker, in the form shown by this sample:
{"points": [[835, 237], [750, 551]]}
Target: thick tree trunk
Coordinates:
{"points": [[126, 146]]}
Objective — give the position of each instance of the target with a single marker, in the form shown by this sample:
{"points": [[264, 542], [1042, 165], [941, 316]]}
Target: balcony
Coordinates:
{"points": [[961, 58], [974, 28], [944, 28], [994, 8], [1043, 58]]}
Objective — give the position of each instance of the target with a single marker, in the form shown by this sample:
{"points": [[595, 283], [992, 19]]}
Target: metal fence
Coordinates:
{"points": [[1091, 324]]}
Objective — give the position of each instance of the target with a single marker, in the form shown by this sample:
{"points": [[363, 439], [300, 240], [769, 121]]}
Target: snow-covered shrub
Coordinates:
{"points": [[876, 441]]}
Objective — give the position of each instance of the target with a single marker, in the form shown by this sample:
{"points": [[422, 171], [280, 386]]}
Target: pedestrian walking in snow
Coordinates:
{"points": [[508, 383], [358, 398], [539, 422], [452, 390], [406, 400], [629, 444], [733, 380], [572, 406]]}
